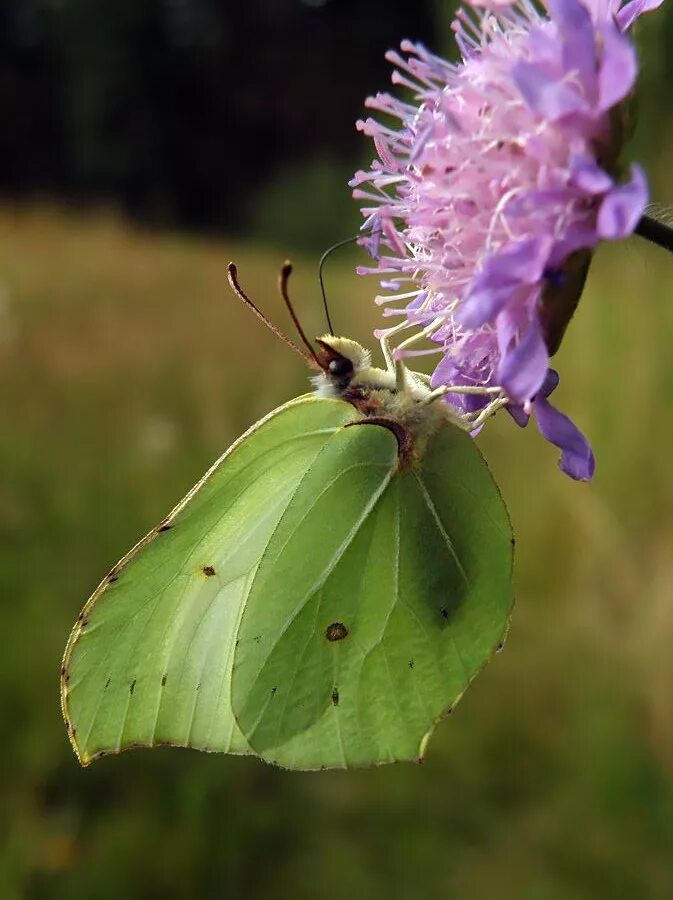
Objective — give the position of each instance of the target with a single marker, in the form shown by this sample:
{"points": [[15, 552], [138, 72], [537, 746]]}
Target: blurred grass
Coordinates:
{"points": [[126, 368]]}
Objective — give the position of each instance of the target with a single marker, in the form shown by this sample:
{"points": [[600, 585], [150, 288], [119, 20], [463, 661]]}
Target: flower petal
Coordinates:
{"points": [[550, 383], [523, 369], [516, 411], [602, 9], [520, 264], [546, 95], [618, 67], [629, 13], [579, 42], [493, 5], [623, 206], [588, 176], [577, 458]]}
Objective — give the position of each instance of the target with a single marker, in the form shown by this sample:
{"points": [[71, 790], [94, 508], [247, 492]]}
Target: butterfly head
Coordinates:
{"points": [[347, 373], [341, 359]]}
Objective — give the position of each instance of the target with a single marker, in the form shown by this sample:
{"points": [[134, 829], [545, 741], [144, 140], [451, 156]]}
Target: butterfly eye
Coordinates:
{"points": [[340, 367]]}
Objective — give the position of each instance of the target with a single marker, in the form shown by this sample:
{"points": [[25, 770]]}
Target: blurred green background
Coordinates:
{"points": [[126, 368]]}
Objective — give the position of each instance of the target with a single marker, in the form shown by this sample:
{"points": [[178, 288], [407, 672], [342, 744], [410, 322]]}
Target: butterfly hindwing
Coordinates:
{"points": [[382, 592]]}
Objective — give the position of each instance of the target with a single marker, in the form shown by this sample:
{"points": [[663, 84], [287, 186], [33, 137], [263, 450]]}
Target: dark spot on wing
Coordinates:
{"points": [[238, 641], [499, 646], [209, 571], [107, 684], [444, 612], [63, 671], [257, 638], [337, 631], [411, 663], [83, 622], [66, 677], [113, 575], [273, 690], [163, 679], [133, 687], [335, 696], [164, 526], [198, 686]]}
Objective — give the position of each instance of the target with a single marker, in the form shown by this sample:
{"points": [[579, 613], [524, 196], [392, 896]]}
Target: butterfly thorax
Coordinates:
{"points": [[409, 412]]}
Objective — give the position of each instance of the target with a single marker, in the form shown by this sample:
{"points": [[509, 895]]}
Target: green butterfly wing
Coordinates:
{"points": [[379, 597], [311, 602], [149, 659]]}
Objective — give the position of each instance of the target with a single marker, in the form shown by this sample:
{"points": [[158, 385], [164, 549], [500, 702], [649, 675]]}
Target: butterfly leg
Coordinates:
{"points": [[472, 423], [474, 420], [398, 352], [462, 389], [384, 340]]}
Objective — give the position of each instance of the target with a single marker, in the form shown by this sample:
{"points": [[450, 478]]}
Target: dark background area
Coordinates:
{"points": [[229, 117], [185, 111]]}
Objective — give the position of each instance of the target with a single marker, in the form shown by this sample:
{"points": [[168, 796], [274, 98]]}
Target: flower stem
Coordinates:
{"points": [[655, 231]]}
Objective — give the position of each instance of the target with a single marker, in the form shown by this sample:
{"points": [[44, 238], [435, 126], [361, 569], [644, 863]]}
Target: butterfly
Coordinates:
{"points": [[323, 595]]}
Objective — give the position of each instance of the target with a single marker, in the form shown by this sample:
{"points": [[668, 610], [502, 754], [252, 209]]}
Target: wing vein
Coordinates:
{"points": [[433, 510], [440, 525], [229, 659], [333, 562], [297, 668]]}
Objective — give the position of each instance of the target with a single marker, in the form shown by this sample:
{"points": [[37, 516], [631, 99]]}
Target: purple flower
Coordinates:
{"points": [[577, 459], [489, 196]]}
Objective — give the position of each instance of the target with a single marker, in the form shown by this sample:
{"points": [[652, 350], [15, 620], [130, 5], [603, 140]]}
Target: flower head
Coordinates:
{"points": [[487, 200]]}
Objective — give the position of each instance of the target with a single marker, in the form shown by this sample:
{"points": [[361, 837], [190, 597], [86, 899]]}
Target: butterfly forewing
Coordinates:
{"points": [[149, 660]]}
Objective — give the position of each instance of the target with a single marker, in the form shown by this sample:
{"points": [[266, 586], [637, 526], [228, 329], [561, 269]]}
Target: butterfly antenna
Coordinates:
{"points": [[232, 274], [323, 260], [283, 279]]}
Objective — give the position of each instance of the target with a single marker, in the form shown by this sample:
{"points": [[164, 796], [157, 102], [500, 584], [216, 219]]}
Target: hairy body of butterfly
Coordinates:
{"points": [[409, 412], [320, 598]]}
